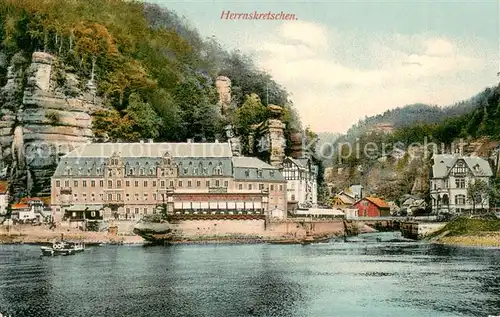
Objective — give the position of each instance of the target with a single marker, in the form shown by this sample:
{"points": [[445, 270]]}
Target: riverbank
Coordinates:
{"points": [[41, 235], [27, 234], [483, 239], [469, 232]]}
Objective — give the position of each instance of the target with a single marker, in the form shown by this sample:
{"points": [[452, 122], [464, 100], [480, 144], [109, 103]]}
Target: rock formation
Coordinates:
{"points": [[44, 115], [223, 85], [268, 137]]}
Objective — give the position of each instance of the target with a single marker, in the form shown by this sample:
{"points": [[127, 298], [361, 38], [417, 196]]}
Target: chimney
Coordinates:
{"points": [[150, 141], [142, 141], [216, 141], [189, 140]]}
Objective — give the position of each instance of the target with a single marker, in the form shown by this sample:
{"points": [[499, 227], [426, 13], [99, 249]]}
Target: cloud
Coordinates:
{"points": [[336, 77]]}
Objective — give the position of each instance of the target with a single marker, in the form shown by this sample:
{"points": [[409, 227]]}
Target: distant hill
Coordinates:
{"points": [[401, 117]]}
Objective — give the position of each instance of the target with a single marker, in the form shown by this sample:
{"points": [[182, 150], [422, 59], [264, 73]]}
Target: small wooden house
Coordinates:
{"points": [[372, 207]]}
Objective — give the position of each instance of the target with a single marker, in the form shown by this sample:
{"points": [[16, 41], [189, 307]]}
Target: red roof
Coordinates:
{"points": [[20, 206], [44, 200], [4, 186], [378, 201]]}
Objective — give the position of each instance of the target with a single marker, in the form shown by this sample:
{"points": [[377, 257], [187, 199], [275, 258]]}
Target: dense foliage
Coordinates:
{"points": [[154, 72]]}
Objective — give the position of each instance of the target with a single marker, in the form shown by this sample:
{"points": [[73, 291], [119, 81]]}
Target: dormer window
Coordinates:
{"points": [[98, 171], [259, 173], [151, 172], [218, 170], [247, 173], [110, 173], [141, 171], [163, 172], [186, 170], [271, 173], [195, 171], [88, 171], [205, 171]]}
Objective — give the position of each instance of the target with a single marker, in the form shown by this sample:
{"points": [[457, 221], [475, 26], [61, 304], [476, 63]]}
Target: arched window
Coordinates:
{"points": [[141, 171], [131, 171]]}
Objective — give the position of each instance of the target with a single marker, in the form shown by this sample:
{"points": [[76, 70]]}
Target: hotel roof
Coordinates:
{"points": [[153, 150]]}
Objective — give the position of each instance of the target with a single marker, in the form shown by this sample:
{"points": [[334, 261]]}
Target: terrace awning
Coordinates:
{"points": [[213, 205], [231, 205], [178, 205], [257, 205]]}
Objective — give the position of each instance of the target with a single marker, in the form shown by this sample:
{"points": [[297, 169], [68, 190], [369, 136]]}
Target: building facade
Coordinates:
{"points": [[130, 180], [301, 175], [449, 181]]}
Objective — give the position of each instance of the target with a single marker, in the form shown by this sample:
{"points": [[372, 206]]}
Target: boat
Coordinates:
{"points": [[63, 248]]}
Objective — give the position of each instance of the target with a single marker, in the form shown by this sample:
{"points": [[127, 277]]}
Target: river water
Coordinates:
{"points": [[364, 277]]}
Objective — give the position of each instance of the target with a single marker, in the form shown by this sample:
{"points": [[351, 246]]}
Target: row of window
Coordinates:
{"points": [[150, 172], [459, 183], [118, 183], [208, 183], [459, 200], [118, 196]]}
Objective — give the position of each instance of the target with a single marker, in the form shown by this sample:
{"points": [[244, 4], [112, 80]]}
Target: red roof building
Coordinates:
{"points": [[372, 207]]}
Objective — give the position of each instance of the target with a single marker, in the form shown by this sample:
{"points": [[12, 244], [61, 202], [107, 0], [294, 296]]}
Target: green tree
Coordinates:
{"points": [[477, 193], [145, 121]]}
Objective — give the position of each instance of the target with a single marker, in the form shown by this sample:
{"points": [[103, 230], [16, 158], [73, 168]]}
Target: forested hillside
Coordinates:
{"points": [[419, 113], [155, 74], [393, 174]]}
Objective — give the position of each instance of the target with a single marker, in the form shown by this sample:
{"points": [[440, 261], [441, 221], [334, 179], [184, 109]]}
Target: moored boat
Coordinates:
{"points": [[63, 248]]}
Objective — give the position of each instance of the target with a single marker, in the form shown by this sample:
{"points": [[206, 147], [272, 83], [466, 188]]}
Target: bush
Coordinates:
{"points": [[53, 116]]}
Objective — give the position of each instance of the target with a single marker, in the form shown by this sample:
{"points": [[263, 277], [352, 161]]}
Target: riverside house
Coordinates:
{"points": [[372, 207], [449, 180]]}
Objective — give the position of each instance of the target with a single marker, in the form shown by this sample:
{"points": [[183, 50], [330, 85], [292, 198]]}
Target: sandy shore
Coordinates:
{"points": [[40, 235], [483, 239]]}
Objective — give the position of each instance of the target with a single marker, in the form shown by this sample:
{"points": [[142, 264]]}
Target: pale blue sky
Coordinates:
{"points": [[343, 60]]}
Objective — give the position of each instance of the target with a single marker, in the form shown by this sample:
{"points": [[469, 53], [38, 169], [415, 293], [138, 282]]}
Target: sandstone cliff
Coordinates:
{"points": [[45, 112]]}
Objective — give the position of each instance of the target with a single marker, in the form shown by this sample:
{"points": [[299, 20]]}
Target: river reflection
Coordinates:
{"points": [[365, 277]]}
